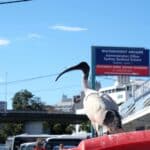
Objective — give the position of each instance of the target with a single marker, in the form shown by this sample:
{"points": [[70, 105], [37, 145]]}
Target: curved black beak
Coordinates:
{"points": [[81, 66]]}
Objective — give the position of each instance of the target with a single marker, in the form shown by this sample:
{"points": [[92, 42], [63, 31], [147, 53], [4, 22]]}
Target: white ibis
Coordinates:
{"points": [[100, 109]]}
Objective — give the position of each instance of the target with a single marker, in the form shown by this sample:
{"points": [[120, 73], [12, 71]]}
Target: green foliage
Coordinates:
{"points": [[62, 128], [57, 128], [85, 126], [9, 129], [46, 127], [22, 100], [25, 100], [69, 129]]}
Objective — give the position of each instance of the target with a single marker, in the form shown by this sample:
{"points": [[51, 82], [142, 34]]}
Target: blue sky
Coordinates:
{"points": [[42, 37]]}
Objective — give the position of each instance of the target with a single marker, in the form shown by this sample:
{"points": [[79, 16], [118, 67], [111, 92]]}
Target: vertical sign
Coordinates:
{"points": [[120, 61], [128, 61]]}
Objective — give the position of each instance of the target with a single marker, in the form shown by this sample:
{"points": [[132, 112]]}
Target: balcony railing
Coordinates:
{"points": [[140, 100]]}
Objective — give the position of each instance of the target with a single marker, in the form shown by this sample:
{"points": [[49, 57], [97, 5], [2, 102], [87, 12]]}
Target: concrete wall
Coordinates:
{"points": [[33, 127]]}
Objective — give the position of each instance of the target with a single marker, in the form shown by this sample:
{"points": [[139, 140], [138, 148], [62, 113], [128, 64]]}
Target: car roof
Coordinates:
{"points": [[28, 143], [68, 137]]}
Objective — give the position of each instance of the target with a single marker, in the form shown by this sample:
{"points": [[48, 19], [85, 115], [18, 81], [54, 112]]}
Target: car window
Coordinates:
{"points": [[30, 147], [23, 148]]}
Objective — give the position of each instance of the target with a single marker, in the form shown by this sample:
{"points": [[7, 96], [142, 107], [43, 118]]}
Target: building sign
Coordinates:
{"points": [[121, 61]]}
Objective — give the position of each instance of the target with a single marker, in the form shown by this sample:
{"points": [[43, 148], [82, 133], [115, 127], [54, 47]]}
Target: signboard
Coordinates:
{"points": [[120, 61]]}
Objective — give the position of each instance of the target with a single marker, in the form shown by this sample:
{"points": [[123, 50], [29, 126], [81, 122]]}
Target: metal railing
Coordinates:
{"points": [[140, 100]]}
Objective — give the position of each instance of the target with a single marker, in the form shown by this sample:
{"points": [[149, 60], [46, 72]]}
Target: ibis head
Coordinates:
{"points": [[83, 66]]}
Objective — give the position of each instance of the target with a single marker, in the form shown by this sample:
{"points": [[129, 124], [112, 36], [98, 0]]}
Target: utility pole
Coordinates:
{"points": [[6, 74]]}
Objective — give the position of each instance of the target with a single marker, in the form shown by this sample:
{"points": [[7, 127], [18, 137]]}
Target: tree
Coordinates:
{"points": [[22, 100], [9, 129], [25, 100], [64, 128], [69, 129], [57, 128], [85, 126]]}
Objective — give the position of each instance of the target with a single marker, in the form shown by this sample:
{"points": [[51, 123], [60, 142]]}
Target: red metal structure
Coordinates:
{"points": [[136, 140]]}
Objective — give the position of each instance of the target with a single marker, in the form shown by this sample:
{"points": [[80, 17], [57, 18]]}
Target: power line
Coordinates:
{"points": [[28, 79], [15, 1], [38, 77], [46, 90]]}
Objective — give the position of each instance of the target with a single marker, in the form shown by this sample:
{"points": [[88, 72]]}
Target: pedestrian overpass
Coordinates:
{"points": [[33, 120], [25, 116]]}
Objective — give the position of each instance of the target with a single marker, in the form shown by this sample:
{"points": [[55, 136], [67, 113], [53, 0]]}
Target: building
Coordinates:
{"points": [[136, 111], [133, 98], [65, 105], [3, 106]]}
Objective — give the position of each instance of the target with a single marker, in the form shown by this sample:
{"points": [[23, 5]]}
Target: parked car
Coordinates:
{"points": [[27, 146]]}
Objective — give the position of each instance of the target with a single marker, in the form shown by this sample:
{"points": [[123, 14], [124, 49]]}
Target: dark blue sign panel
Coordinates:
{"points": [[121, 61]]}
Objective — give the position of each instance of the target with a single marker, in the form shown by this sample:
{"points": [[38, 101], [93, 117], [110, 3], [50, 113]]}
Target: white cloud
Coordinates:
{"points": [[34, 36], [4, 42], [67, 28]]}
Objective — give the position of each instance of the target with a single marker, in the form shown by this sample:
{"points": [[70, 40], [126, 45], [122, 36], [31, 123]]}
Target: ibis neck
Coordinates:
{"points": [[85, 84]]}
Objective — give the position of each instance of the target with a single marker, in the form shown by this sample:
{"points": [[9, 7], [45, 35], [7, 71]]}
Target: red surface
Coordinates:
{"points": [[122, 70], [137, 140]]}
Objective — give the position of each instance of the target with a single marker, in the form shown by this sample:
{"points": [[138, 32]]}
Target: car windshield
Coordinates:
{"points": [[53, 144], [65, 146], [30, 147]]}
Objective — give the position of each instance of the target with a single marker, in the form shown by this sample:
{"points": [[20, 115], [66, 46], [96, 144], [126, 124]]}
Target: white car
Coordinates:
{"points": [[27, 146], [68, 141]]}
